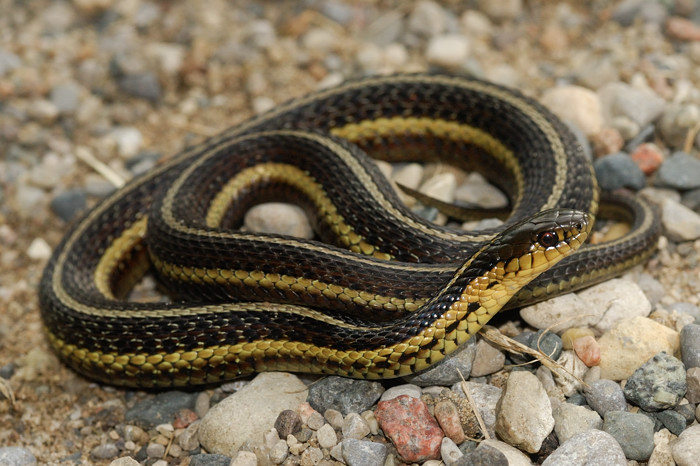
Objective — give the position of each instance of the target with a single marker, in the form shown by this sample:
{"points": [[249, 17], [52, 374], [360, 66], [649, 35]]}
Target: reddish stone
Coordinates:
{"points": [[410, 427], [448, 418], [683, 29], [648, 157], [184, 418], [587, 350]]}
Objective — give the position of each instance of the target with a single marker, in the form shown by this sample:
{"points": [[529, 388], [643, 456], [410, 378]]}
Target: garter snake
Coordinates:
{"points": [[384, 294]]}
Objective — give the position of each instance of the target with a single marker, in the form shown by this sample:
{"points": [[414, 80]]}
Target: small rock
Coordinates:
{"points": [[588, 448], [363, 453], [39, 249], [648, 157], [246, 415], [124, 461], [17, 456], [559, 313], [677, 121], [642, 106], [686, 450], [632, 342], [355, 426], [634, 432], [188, 439], [68, 204], [447, 371], [617, 171], [244, 458], [128, 140], [588, 350], [159, 409], [680, 171], [570, 420], [690, 346], [573, 365], [344, 395], [287, 423], [605, 395], [315, 421], [662, 448], [608, 141], [476, 190], [449, 451], [672, 420], [682, 29], [8, 62], [334, 418], [66, 97], [573, 334], [398, 390], [483, 455], [658, 384], [679, 222], [278, 453], [155, 450], [210, 460], [428, 18], [485, 398], [692, 379], [524, 413], [448, 51], [447, 416], [487, 359], [142, 85], [327, 437], [441, 186], [104, 451], [410, 427], [501, 10], [575, 104]]}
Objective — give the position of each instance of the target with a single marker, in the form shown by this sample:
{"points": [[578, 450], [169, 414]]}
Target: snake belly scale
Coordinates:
{"points": [[383, 293]]}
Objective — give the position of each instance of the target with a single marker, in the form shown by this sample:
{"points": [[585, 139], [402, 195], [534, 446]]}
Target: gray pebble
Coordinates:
{"points": [[687, 411], [570, 420], [672, 420], [659, 384], [483, 455], [143, 85], [592, 447], [159, 409], [634, 432], [363, 453], [617, 171], [344, 395], [690, 345], [288, 422], [105, 451], [8, 62], [691, 199], [605, 395], [304, 434], [550, 343], [679, 222], [355, 427], [447, 371], [676, 121], [210, 460], [16, 456], [692, 394], [66, 97], [68, 204], [680, 171], [155, 450]]}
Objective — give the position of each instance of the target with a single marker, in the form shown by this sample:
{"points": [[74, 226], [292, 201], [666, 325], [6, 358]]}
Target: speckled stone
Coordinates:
{"points": [[659, 384]]}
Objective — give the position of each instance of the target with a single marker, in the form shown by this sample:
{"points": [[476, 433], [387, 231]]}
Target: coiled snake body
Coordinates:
{"points": [[384, 294]]}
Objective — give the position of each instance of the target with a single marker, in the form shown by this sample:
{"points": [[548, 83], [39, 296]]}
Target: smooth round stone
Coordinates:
{"points": [[278, 218], [690, 346], [449, 51], [617, 171], [570, 420], [605, 395], [634, 432], [588, 448], [679, 222], [680, 171]]}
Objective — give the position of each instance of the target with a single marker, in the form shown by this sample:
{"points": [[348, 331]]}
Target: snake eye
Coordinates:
{"points": [[547, 239]]}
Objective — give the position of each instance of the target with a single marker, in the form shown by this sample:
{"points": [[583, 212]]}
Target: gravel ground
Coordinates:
{"points": [[86, 84]]}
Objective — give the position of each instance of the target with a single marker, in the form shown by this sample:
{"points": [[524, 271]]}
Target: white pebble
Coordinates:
{"points": [[278, 218], [449, 51], [39, 249]]}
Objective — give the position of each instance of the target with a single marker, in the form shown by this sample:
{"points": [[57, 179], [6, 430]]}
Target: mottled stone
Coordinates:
{"points": [[658, 384]]}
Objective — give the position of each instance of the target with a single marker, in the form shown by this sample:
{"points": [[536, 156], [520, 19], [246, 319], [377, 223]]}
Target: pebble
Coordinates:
{"points": [[483, 455], [398, 390], [287, 423], [588, 350], [478, 191], [143, 85], [448, 51], [692, 379], [514, 456], [632, 342], [16, 456], [155, 450], [8, 62], [560, 313], [677, 121], [680, 171], [672, 420], [371, 421], [344, 395], [104, 451], [634, 432], [68, 204], [686, 450], [587, 448], [447, 371], [682, 29], [39, 249], [315, 421], [642, 106], [648, 157], [617, 171], [449, 451], [355, 427], [363, 453], [407, 422], [658, 384], [334, 418], [124, 461], [572, 366], [279, 452], [441, 186], [501, 10], [577, 105], [161, 408], [213, 459], [427, 18], [244, 458], [605, 395], [128, 140], [524, 413], [679, 222], [246, 415], [66, 97], [487, 359], [278, 218], [447, 416], [690, 346], [570, 420], [188, 439], [486, 399], [327, 438]]}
